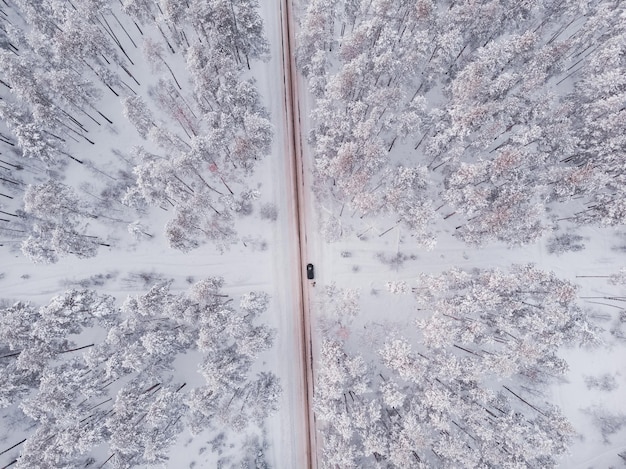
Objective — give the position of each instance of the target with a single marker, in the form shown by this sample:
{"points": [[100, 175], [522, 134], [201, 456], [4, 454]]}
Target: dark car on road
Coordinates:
{"points": [[310, 272]]}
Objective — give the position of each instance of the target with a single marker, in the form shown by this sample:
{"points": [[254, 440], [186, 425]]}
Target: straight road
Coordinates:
{"points": [[294, 139]]}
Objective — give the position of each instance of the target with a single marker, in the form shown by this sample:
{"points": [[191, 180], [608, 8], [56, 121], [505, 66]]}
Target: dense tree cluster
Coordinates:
{"points": [[55, 218], [507, 110], [200, 122], [50, 83], [120, 395], [226, 128], [461, 389]]}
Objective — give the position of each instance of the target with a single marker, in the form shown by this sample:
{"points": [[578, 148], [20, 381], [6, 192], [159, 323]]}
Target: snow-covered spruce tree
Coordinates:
{"points": [[33, 139], [499, 198], [121, 395], [452, 393], [139, 115]]}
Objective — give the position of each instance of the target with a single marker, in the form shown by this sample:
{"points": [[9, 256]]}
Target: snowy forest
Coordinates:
{"points": [[121, 121], [464, 125], [61, 61], [464, 202]]}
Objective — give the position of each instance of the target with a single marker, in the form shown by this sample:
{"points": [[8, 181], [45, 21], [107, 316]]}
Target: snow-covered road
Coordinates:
{"points": [[296, 426]]}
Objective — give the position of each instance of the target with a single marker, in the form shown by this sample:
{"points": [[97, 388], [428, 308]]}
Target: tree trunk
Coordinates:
{"points": [[524, 401], [14, 446], [110, 457]]}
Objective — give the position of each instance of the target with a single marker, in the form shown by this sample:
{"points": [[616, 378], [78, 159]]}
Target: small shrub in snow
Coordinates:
{"points": [[97, 280], [607, 422], [269, 212], [332, 229], [217, 444], [605, 382], [142, 279], [618, 278], [567, 242], [618, 333], [394, 261], [254, 457], [256, 243], [341, 303], [138, 230]]}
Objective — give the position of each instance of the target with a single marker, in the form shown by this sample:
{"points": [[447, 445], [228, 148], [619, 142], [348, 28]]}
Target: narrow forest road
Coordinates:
{"points": [[297, 189]]}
